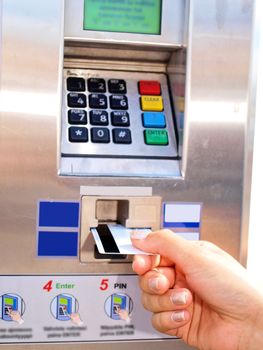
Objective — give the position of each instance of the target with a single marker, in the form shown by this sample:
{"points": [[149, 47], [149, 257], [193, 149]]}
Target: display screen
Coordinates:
{"points": [[63, 301], [117, 300], [124, 16], [9, 301]]}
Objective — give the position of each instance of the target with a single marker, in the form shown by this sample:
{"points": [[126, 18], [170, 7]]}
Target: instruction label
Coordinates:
{"points": [[84, 308]]}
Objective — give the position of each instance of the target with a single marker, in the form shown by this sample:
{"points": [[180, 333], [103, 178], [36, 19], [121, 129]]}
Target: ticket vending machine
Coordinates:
{"points": [[9, 304], [125, 113], [64, 307]]}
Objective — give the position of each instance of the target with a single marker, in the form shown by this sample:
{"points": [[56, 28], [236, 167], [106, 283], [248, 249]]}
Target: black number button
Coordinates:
{"points": [[120, 118], [121, 135], [78, 134], [98, 101], [96, 85], [118, 102], [117, 86], [75, 84], [77, 116], [77, 100], [100, 135], [99, 118]]}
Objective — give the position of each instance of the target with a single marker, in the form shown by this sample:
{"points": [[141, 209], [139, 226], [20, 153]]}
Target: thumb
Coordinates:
{"points": [[169, 245]]}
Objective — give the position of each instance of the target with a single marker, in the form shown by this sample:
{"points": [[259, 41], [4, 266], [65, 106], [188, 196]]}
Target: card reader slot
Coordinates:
{"points": [[98, 255]]}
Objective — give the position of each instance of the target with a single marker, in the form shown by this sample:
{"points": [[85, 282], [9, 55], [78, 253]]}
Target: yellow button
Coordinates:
{"points": [[152, 103]]}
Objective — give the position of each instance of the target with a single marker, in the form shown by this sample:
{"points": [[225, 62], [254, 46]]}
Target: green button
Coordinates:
{"points": [[156, 137]]}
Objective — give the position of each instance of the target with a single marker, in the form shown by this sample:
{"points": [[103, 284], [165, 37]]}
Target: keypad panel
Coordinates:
{"points": [[117, 114]]}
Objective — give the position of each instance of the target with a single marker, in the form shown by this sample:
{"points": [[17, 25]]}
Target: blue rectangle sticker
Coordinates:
{"points": [[58, 214]]}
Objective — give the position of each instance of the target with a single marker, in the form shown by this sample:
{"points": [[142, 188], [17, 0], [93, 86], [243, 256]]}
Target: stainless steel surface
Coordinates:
{"points": [[250, 171], [172, 27], [218, 52], [140, 168]]}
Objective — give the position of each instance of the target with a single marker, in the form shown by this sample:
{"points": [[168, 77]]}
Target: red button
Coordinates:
{"points": [[149, 87]]}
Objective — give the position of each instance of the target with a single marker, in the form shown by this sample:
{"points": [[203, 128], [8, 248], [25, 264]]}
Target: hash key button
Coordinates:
{"points": [[98, 101], [117, 86], [77, 100], [100, 135], [78, 134], [121, 135], [118, 102]]}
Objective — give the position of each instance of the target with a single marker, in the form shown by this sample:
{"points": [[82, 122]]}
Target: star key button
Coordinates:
{"points": [[78, 134]]}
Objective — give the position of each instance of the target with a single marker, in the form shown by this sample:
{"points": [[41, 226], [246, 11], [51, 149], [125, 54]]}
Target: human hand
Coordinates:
{"points": [[124, 315], [199, 293], [75, 318], [15, 316]]}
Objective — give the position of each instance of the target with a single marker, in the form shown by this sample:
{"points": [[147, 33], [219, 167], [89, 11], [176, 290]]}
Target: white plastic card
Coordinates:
{"points": [[115, 239]]}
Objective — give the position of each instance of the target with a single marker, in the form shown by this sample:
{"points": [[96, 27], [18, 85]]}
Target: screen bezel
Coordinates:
{"points": [[172, 27]]}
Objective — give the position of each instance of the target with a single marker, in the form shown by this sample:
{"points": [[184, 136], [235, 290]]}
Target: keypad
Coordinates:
{"points": [[98, 114], [113, 113]]}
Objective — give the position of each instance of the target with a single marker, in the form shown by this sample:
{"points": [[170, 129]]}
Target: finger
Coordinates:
{"points": [[172, 300], [165, 243], [158, 281], [144, 263], [170, 320], [187, 255]]}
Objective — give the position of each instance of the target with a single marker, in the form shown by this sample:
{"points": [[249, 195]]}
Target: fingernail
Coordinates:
{"points": [[138, 234], [154, 284], [178, 298], [178, 316]]}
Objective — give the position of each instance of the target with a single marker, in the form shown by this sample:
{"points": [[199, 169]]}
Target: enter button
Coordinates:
{"points": [[156, 137]]}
